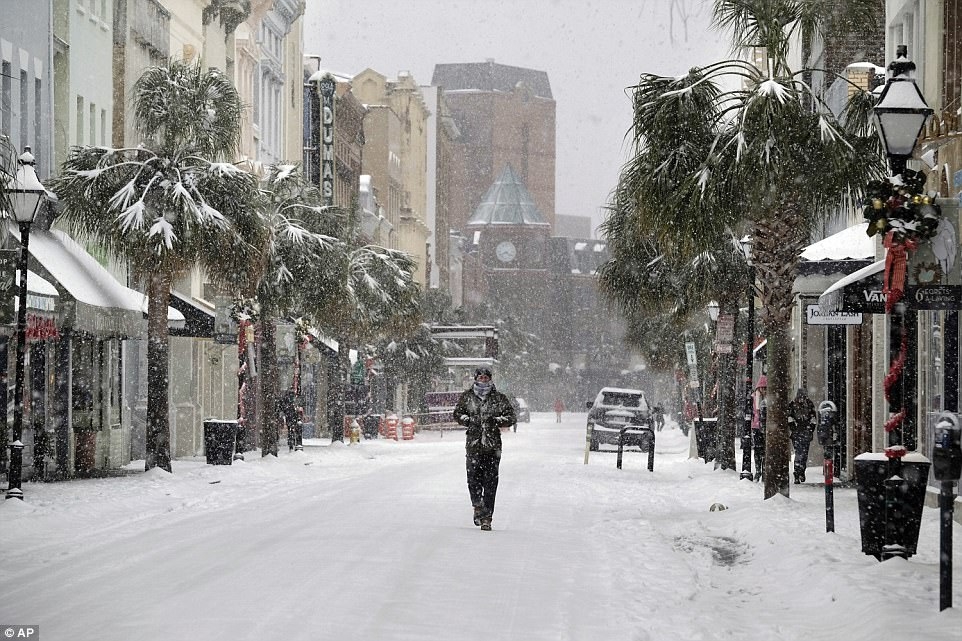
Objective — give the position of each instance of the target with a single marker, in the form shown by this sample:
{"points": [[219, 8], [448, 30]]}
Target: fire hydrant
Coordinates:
{"points": [[355, 432]]}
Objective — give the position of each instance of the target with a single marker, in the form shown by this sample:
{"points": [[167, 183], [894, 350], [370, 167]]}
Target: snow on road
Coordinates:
{"points": [[375, 542]]}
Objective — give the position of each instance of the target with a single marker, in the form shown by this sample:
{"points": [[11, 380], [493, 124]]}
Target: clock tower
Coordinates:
{"points": [[508, 237]]}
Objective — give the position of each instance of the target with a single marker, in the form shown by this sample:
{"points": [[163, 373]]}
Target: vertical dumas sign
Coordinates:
{"points": [[326, 86]]}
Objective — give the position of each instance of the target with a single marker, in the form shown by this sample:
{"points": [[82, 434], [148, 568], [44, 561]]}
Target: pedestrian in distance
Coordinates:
{"points": [[483, 410], [292, 411], [658, 413], [801, 427], [559, 407]]}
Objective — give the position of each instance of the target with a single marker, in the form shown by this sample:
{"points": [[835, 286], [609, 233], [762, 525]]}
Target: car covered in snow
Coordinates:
{"points": [[615, 409]]}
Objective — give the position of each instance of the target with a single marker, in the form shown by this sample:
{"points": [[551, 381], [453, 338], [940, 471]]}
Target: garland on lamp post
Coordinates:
{"points": [[898, 209]]}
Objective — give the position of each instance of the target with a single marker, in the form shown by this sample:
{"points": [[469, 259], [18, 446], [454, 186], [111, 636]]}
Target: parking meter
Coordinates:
{"points": [[826, 438], [947, 449], [826, 423]]}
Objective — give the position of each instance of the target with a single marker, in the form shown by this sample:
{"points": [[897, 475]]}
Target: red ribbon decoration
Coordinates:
{"points": [[896, 265]]}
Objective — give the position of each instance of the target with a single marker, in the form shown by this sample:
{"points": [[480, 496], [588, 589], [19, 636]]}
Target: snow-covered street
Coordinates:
{"points": [[375, 542]]}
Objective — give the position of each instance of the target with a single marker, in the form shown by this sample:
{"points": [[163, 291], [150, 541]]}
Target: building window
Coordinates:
{"points": [[24, 110], [80, 120], [93, 124], [37, 110], [6, 96], [103, 127]]}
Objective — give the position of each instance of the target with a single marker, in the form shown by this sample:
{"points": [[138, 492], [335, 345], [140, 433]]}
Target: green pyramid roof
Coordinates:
{"points": [[507, 202]]}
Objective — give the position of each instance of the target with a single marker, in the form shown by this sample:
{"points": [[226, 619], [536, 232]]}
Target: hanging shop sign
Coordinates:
{"points": [[815, 316], [326, 87]]}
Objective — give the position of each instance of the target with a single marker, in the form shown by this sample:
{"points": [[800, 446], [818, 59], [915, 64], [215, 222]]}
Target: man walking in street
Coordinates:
{"points": [[801, 426], [483, 410]]}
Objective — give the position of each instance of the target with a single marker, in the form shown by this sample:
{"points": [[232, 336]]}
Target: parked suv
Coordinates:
{"points": [[615, 408]]}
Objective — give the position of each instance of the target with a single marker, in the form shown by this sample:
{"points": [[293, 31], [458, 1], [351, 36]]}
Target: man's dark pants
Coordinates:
{"points": [[482, 469], [801, 442]]}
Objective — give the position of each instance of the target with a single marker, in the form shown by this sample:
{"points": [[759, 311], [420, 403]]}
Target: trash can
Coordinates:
{"points": [[906, 497], [371, 425], [219, 437], [307, 430]]}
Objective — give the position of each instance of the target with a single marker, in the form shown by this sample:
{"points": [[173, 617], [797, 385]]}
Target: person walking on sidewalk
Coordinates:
{"points": [[483, 410], [801, 427], [559, 407]]}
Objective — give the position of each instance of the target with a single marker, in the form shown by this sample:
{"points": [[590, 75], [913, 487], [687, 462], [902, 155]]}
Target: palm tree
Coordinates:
{"points": [[365, 292], [168, 205], [772, 159], [661, 293], [301, 235]]}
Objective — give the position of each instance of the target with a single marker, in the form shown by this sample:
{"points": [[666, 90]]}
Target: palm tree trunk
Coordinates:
{"points": [[158, 364], [335, 390], [777, 442], [727, 407], [268, 381], [778, 244]]}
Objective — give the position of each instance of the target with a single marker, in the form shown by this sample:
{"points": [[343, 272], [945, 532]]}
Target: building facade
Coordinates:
{"points": [[505, 115]]}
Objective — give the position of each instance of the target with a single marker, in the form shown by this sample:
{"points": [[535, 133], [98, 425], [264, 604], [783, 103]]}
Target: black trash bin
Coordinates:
{"points": [[219, 438], [906, 498], [371, 425]]}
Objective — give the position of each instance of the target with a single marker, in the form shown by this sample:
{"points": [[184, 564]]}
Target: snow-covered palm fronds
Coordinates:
{"points": [[182, 105], [136, 201], [296, 247]]}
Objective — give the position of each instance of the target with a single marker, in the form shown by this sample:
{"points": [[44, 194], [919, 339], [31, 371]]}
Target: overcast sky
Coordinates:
{"points": [[591, 50]]}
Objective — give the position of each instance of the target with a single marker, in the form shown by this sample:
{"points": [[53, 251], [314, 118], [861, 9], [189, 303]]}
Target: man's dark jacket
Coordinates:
{"points": [[484, 418]]}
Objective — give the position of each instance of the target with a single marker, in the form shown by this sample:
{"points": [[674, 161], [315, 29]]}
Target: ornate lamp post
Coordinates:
{"points": [[746, 439], [25, 193], [891, 485], [713, 311]]}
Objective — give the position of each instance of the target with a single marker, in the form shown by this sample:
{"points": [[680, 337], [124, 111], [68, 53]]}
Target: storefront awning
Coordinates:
{"points": [[860, 291], [92, 300], [41, 295], [822, 262], [198, 320]]}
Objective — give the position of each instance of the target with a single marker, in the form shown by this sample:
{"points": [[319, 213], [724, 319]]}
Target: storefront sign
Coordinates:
{"points": [[40, 328], [934, 297], [326, 86], [815, 316]]}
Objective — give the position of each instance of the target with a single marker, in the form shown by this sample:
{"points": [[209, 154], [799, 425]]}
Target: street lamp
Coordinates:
{"points": [[25, 193], [891, 486], [746, 440], [713, 311], [901, 112]]}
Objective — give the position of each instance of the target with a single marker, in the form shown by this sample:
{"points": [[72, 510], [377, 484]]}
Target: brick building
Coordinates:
{"points": [[505, 116]]}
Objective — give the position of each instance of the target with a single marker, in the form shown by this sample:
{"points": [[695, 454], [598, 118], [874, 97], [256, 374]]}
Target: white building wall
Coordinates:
{"points": [[91, 72]]}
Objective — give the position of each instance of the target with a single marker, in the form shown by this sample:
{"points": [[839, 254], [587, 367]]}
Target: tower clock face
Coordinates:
{"points": [[506, 251]]}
